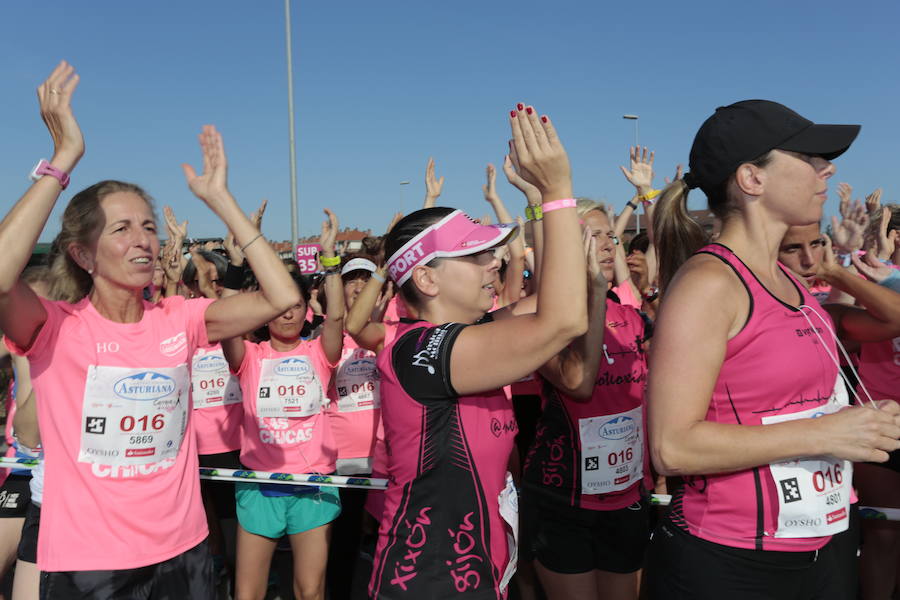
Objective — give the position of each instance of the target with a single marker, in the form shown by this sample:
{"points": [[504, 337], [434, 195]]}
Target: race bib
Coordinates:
{"points": [[612, 451], [357, 382], [133, 416], [212, 384], [813, 492], [509, 511], [288, 387]]}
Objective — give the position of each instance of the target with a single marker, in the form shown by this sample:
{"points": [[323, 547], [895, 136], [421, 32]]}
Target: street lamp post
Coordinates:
{"points": [[637, 217], [292, 141], [402, 183]]}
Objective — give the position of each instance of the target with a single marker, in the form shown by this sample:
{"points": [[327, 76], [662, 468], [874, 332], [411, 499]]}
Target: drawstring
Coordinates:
{"points": [[834, 358]]}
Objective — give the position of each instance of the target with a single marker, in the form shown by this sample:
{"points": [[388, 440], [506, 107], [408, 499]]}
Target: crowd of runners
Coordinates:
{"points": [[524, 387]]}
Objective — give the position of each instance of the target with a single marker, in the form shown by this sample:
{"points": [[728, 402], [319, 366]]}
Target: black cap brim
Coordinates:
{"points": [[827, 141]]}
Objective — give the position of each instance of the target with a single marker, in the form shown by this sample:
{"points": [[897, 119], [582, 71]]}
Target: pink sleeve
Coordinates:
{"points": [[390, 332], [251, 354], [318, 353], [626, 295], [46, 337]]}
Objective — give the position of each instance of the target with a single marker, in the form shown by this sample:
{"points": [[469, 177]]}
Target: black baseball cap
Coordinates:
{"points": [[746, 130]]}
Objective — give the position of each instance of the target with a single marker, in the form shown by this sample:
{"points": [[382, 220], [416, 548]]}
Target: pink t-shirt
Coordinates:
{"points": [[879, 369], [284, 384], [216, 397], [115, 398], [626, 296], [355, 401]]}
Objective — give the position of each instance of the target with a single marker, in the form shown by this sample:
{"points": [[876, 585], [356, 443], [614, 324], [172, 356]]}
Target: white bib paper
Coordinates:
{"points": [[212, 384], [813, 492], [612, 451], [509, 511], [133, 416], [357, 383], [288, 387]]}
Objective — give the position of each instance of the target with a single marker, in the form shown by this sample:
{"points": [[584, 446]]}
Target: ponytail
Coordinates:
{"points": [[676, 234]]}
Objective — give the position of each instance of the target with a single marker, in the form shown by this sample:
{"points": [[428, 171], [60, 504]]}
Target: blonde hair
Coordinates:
{"points": [[586, 205], [81, 223]]}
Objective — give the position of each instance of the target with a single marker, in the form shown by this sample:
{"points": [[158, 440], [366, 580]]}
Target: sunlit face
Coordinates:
{"points": [[796, 186], [802, 250], [158, 273], [468, 281], [605, 240], [637, 266], [287, 326], [125, 252], [353, 287]]}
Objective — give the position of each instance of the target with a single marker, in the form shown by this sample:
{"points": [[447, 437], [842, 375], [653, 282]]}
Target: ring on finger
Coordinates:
{"points": [[54, 91]]}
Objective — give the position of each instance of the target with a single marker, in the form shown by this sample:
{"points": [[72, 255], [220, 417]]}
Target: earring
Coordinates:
{"points": [[90, 271]]}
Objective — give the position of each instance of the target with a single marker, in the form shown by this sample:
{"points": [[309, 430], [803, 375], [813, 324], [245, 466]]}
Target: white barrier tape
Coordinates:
{"points": [[371, 483]]}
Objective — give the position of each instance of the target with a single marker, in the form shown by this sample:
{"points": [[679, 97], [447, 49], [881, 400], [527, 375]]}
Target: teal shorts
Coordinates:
{"points": [[275, 516]]}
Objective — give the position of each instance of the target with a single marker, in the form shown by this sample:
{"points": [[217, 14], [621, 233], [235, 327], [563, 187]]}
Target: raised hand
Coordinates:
{"points": [[433, 186], [257, 216], [532, 194], [394, 221], [848, 233], [329, 233], [641, 173], [490, 189], [211, 185], [873, 202], [176, 230], [537, 154], [872, 268], [679, 174], [55, 99], [845, 193], [886, 240]]}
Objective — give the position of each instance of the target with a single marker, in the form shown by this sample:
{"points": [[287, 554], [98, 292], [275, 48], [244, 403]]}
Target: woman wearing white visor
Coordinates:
{"points": [[448, 524]]}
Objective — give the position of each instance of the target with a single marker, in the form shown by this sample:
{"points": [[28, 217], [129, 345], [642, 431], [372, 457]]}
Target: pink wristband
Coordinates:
{"points": [[557, 204]]}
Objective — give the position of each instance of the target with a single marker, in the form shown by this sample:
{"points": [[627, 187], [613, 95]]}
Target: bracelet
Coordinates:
{"points": [[513, 224], [378, 277], [245, 246], [843, 259], [234, 277], [632, 205], [534, 213], [558, 204], [330, 261], [335, 270], [650, 196]]}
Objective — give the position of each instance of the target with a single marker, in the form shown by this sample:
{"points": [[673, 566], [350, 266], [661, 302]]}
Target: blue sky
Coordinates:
{"points": [[380, 87]]}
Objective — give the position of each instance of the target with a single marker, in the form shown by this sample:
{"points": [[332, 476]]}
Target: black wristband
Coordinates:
{"points": [[632, 205], [234, 277]]}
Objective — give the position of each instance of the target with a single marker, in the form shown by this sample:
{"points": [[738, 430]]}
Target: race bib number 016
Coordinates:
{"points": [[357, 382], [814, 492], [612, 451], [133, 416], [212, 384], [288, 387]]}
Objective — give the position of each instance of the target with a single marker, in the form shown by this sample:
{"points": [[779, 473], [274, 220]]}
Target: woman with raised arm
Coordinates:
{"points": [[743, 357], [449, 518], [121, 515], [584, 487], [287, 430]]}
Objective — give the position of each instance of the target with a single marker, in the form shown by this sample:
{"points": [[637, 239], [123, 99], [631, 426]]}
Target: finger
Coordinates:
{"points": [[652, 156], [625, 172], [518, 147], [540, 135], [679, 172], [529, 144], [550, 131], [508, 168], [189, 172]]}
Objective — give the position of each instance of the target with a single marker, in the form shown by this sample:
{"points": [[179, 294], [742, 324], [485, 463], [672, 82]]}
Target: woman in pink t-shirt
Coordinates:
{"points": [[744, 398], [284, 383], [121, 514], [450, 518]]}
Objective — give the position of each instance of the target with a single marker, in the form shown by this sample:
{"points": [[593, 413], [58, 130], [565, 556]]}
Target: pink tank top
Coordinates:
{"points": [[774, 366], [593, 454], [441, 533]]}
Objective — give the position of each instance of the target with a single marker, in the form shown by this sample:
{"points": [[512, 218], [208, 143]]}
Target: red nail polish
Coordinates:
{"points": [[544, 119], [519, 106], [512, 113], [529, 110]]}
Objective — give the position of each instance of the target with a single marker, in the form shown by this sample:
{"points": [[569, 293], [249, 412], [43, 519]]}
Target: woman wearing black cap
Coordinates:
{"points": [[743, 361]]}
